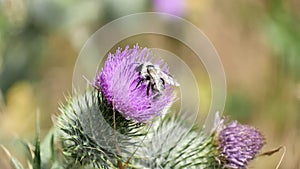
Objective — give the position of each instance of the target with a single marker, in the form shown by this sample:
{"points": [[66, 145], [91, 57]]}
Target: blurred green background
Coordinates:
{"points": [[258, 42]]}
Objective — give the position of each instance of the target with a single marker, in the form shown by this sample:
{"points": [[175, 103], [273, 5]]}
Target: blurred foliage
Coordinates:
{"points": [[258, 42], [239, 106], [283, 27]]}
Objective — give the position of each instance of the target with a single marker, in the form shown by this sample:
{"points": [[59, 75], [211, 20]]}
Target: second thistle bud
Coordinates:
{"points": [[238, 144]]}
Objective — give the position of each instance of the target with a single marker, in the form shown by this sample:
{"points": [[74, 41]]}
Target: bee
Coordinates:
{"points": [[156, 78]]}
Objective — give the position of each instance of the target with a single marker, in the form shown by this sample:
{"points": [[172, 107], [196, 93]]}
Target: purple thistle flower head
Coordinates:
{"points": [[238, 144], [121, 84]]}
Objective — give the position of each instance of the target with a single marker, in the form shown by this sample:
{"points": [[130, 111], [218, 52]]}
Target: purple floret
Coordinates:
{"points": [[119, 79], [238, 144]]}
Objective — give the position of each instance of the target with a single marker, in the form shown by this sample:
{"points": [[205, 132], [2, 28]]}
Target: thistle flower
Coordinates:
{"points": [[121, 84], [238, 144]]}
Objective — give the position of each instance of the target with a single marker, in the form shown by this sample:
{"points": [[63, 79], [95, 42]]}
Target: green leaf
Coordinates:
{"points": [[29, 150], [16, 164], [57, 165], [37, 155], [48, 150], [53, 150], [37, 152]]}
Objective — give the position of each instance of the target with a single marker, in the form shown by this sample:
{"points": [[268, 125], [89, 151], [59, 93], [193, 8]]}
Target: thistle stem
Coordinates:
{"points": [[116, 141]]}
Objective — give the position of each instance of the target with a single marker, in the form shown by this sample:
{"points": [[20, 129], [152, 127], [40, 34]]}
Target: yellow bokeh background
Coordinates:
{"points": [[258, 43]]}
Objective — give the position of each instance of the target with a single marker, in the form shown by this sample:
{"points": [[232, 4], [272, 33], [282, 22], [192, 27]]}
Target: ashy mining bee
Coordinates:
{"points": [[155, 78]]}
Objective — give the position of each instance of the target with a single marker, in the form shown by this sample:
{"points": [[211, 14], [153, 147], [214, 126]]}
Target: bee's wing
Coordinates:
{"points": [[168, 78], [159, 84]]}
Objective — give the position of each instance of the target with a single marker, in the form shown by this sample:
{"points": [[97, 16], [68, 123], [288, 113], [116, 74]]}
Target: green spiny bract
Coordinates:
{"points": [[170, 144], [89, 137]]}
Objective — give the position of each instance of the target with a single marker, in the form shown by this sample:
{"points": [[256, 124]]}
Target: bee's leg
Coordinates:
{"points": [[155, 91], [163, 82], [139, 82], [148, 88]]}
